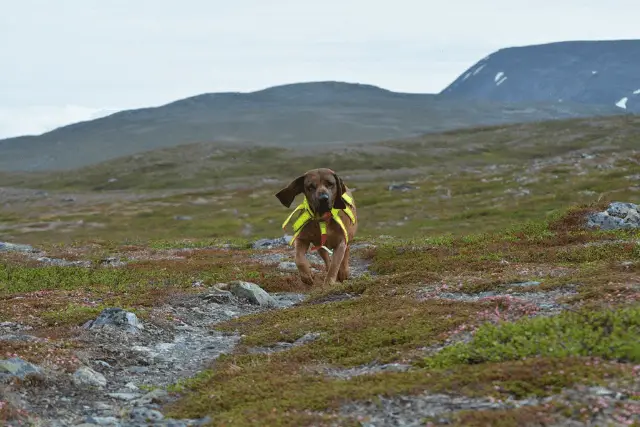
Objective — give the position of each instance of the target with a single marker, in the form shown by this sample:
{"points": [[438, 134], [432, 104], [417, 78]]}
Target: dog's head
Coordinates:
{"points": [[323, 189]]}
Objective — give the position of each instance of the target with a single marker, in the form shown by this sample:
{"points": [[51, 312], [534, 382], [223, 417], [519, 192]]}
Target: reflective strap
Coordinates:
{"points": [[286, 221], [350, 214], [335, 213], [347, 198], [301, 221]]}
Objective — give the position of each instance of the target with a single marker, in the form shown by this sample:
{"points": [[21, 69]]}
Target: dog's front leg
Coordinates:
{"points": [[303, 263], [336, 262], [343, 271], [326, 258]]}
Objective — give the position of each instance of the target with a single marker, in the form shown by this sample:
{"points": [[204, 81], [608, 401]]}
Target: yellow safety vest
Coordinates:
{"points": [[308, 215]]}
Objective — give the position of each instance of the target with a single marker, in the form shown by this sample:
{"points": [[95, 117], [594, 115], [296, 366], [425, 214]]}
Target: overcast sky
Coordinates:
{"points": [[68, 60]]}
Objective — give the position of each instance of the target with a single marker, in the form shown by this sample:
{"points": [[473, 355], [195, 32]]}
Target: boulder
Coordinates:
{"points": [[116, 318], [253, 293], [618, 215]]}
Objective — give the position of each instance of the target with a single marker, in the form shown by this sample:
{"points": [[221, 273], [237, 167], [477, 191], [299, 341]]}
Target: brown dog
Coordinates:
{"points": [[327, 220]]}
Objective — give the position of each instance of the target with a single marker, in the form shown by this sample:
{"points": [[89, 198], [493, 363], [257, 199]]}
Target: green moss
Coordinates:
{"points": [[356, 331], [235, 243], [610, 334], [209, 266], [244, 389], [75, 314]]}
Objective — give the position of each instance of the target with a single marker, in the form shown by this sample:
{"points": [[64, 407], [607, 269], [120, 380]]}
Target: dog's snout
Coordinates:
{"points": [[323, 197]]}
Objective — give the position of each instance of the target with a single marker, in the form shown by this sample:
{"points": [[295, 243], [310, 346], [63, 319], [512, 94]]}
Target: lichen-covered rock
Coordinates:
{"points": [[15, 247], [618, 215], [87, 376], [16, 367]]}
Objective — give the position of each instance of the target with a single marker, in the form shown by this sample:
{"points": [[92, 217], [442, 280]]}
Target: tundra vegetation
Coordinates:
{"points": [[480, 297]]}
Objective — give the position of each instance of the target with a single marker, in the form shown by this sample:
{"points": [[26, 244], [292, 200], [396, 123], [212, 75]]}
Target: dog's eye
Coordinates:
{"points": [[311, 186], [329, 184]]}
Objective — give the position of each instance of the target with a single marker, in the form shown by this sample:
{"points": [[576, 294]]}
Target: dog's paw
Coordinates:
{"points": [[307, 279], [343, 275], [328, 282]]}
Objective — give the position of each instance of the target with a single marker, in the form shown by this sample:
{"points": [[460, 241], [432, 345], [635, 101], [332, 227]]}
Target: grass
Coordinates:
{"points": [[466, 229], [532, 357], [610, 334], [352, 336], [69, 296], [467, 181]]}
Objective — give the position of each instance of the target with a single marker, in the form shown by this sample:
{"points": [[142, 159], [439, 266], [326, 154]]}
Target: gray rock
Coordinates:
{"points": [[182, 218], [18, 337], [401, 187], [287, 266], [101, 406], [366, 370], [131, 386], [276, 348], [154, 396], [16, 367], [524, 284], [618, 215], [103, 364], [142, 414], [282, 346], [63, 262], [287, 299], [87, 376], [272, 243], [103, 421], [633, 217], [15, 247], [112, 262], [604, 221], [620, 209], [118, 318], [138, 369], [307, 338], [218, 296], [124, 396], [253, 293]]}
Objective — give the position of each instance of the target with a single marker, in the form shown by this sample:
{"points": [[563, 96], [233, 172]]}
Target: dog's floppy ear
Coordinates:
{"points": [[339, 203], [288, 193]]}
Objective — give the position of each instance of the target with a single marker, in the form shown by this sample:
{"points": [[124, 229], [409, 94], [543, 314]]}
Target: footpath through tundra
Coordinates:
{"points": [[537, 325]]}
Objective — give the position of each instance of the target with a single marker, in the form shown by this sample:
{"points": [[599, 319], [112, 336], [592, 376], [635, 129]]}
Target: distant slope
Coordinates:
{"points": [[208, 165], [603, 73], [290, 115]]}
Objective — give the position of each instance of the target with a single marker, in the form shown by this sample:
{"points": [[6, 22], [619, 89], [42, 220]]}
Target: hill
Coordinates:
{"points": [[295, 115], [585, 72]]}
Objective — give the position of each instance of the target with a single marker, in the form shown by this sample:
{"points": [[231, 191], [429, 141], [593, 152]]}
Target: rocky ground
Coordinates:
{"points": [[121, 370], [125, 364]]}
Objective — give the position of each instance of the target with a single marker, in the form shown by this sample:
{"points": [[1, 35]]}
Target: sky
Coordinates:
{"points": [[65, 61]]}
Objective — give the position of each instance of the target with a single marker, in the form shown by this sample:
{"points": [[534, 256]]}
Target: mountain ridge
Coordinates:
{"points": [[599, 72], [511, 85]]}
